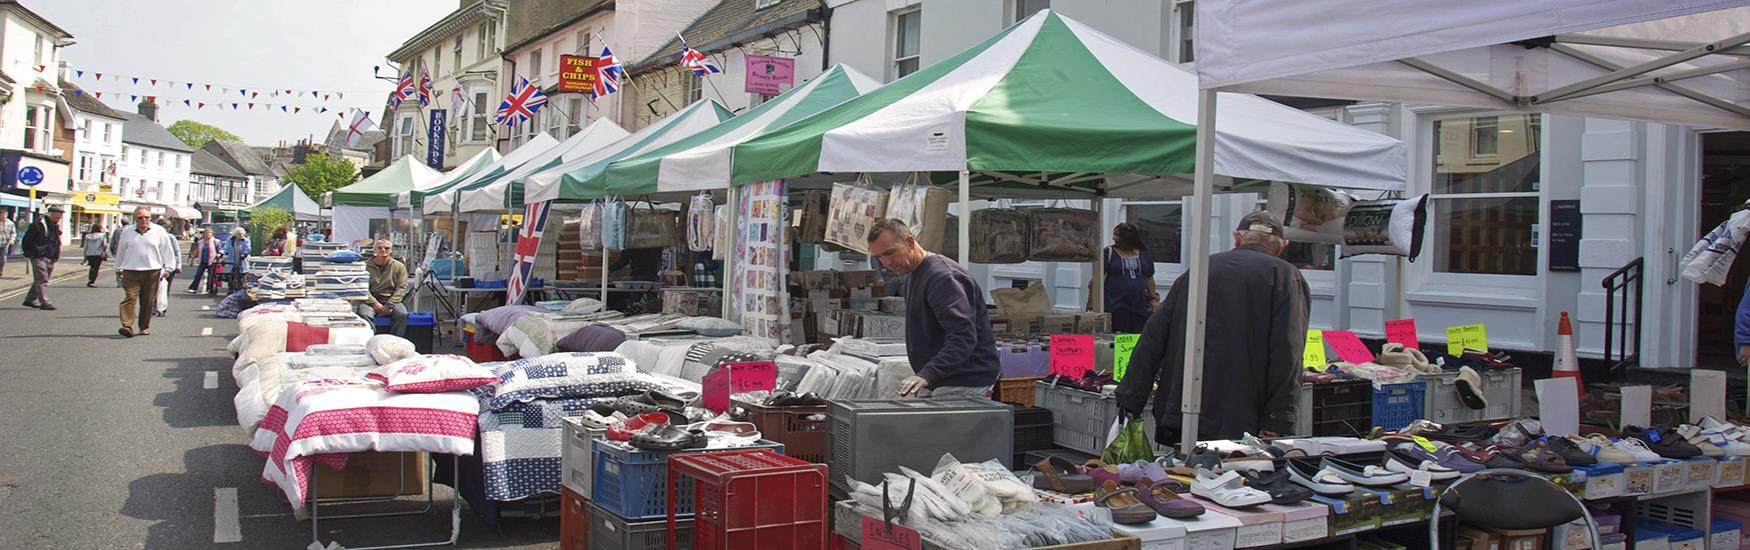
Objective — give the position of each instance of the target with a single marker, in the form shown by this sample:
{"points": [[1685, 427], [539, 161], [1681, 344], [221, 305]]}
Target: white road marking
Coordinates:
{"points": [[206, 308], [212, 381], [206, 331], [226, 525]]}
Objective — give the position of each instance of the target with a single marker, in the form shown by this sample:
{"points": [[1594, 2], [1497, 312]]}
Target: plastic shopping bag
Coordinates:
{"points": [[1129, 444], [162, 305]]}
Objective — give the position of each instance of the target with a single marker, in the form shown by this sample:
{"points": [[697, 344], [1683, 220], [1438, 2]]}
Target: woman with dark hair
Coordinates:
{"points": [[276, 246], [1130, 280]]}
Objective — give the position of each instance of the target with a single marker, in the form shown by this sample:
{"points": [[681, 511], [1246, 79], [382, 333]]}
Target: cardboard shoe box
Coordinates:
{"points": [[1259, 526], [1637, 479], [1354, 513], [1303, 521], [1701, 472], [372, 474], [1669, 476], [1603, 480]]}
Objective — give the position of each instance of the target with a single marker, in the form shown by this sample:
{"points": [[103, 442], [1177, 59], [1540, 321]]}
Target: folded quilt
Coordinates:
{"points": [[566, 375]]}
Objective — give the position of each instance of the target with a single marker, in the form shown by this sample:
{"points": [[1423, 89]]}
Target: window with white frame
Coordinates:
{"points": [[481, 42], [534, 69], [1161, 224], [1185, 15], [1485, 194], [108, 133], [178, 160], [85, 166], [478, 127], [142, 159], [906, 42], [160, 159], [695, 87], [1026, 8], [437, 62], [85, 131], [37, 42], [105, 164], [456, 54], [582, 40], [125, 152], [574, 123], [36, 128], [404, 136]]}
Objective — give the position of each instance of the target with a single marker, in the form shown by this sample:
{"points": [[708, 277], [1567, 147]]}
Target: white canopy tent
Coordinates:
{"points": [[1667, 61], [445, 200], [504, 191]]}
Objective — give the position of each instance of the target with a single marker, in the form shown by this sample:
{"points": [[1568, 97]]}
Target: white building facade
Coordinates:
{"points": [[32, 117], [791, 31], [461, 50], [154, 168]]}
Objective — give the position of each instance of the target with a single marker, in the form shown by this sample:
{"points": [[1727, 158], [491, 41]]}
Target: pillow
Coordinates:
{"points": [[1309, 213], [389, 348], [498, 319], [344, 257], [300, 336], [584, 305], [1386, 226], [592, 338], [432, 374], [710, 326], [568, 375]]}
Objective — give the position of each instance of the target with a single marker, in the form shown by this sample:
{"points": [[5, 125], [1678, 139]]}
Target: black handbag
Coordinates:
{"points": [[1511, 502]]}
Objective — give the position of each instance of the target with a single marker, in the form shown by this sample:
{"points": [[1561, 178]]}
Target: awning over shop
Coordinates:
{"points": [[14, 201], [97, 202]]}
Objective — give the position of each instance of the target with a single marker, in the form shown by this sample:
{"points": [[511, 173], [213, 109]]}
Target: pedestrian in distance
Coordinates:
{"points": [[145, 253], [203, 252], [1130, 280], [42, 245], [276, 246], [8, 235], [948, 336], [161, 304], [236, 254], [96, 251], [1256, 329]]}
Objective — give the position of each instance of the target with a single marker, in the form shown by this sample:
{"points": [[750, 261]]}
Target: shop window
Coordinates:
{"points": [[405, 139], [1485, 195], [1186, 17], [535, 66], [906, 42], [456, 58], [695, 87], [1162, 224]]}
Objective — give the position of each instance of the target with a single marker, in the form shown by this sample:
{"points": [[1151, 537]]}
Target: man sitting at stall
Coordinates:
{"points": [[388, 288], [948, 337]]}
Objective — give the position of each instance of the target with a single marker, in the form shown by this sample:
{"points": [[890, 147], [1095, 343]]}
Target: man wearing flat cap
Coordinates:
{"points": [[1252, 349], [42, 246]]}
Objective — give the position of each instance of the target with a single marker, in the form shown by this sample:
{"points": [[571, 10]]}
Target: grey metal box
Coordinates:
{"points": [[868, 438]]}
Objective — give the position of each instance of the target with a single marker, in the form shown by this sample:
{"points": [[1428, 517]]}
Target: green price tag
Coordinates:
{"points": [[1314, 358], [1462, 337], [1122, 345]]}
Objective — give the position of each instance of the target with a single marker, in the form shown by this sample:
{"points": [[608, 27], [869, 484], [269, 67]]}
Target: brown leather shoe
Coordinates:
{"points": [[145, 332]]}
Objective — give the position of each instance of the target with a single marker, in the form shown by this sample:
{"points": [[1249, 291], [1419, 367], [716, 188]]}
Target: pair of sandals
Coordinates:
{"points": [[648, 402], [1142, 502], [787, 399], [699, 435]]}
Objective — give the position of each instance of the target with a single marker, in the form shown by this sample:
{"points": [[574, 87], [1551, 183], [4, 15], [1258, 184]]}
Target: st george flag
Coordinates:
{"points": [[361, 123], [608, 73], [424, 89], [521, 104], [698, 62], [528, 243]]}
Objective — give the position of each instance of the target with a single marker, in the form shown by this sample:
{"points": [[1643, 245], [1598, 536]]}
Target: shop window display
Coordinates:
{"points": [[1485, 194]]}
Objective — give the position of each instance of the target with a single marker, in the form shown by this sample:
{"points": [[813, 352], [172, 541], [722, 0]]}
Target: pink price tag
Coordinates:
{"points": [[877, 536], [756, 376], [714, 389], [1349, 348], [1072, 354], [1402, 331]]}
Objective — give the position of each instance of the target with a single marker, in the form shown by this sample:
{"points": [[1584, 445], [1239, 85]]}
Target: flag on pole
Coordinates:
{"points": [[403, 90], [424, 89], [698, 62], [457, 100], [528, 243], [361, 123], [521, 104], [608, 75]]}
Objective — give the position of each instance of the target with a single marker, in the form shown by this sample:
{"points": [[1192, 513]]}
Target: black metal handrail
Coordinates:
{"points": [[1622, 337]]}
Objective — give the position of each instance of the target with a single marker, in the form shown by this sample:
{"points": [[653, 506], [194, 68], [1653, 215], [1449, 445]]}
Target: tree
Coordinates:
{"points": [[320, 174], [196, 134]]}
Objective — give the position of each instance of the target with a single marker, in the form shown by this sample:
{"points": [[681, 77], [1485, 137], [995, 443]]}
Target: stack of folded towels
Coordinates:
{"points": [[342, 275], [313, 254]]}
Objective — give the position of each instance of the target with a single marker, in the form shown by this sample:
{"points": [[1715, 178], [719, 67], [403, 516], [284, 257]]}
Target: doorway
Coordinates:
{"points": [[1725, 186]]}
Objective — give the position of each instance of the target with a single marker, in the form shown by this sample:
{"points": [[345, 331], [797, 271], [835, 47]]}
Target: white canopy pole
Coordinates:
{"points": [[965, 220], [734, 205], [1197, 287]]}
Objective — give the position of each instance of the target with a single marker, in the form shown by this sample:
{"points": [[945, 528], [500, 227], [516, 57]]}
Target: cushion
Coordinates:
{"points": [[592, 338], [389, 348], [300, 336], [711, 326], [568, 375], [344, 257], [1385, 226], [432, 374], [499, 319]]}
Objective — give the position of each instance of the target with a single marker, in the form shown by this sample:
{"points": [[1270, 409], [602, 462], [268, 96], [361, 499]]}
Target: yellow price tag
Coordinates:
{"points": [[1314, 357], [1464, 337], [1425, 443], [1122, 346]]}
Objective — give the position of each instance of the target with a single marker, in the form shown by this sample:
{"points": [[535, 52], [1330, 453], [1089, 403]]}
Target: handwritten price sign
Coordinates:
{"points": [[1349, 347], [733, 378], [1122, 346], [1314, 356], [1402, 331], [1462, 337], [1072, 354]]}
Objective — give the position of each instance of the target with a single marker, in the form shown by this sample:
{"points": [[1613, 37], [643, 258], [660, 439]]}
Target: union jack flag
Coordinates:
{"points": [[608, 73], [424, 89], [528, 243], [698, 62], [403, 90], [521, 104]]}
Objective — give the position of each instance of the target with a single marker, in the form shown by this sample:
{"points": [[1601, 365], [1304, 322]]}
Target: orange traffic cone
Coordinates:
{"points": [[1567, 365]]}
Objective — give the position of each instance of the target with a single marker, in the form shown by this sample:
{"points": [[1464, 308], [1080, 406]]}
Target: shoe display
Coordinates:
{"points": [[1400, 462], [1535, 457], [1227, 489], [1370, 475], [1124, 503], [1726, 430], [1309, 474], [1163, 497], [1638, 449], [1278, 485], [1602, 449], [1571, 454], [1662, 440], [1057, 474], [1203, 457], [669, 438]]}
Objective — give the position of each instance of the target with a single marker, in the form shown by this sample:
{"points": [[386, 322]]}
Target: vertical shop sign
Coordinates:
{"points": [[434, 139]]}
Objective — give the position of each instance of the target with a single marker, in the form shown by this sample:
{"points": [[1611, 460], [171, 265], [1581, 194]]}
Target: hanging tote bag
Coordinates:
{"points": [[854, 210], [1062, 235], [651, 228], [701, 223], [589, 228], [613, 215]]}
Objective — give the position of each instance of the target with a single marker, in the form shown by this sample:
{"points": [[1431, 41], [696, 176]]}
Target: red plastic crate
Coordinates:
{"points": [[573, 521], [753, 499], [484, 352], [802, 430]]}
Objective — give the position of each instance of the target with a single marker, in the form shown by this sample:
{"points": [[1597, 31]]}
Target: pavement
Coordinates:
{"points": [[115, 442]]}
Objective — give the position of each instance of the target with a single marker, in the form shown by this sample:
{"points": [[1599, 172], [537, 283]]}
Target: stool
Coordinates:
{"points": [[421, 328]]}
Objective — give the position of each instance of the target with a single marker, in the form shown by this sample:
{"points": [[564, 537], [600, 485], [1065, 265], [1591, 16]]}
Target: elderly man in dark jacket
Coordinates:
{"points": [[1252, 350]]}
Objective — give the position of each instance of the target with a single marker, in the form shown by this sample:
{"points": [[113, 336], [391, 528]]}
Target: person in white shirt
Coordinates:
{"points": [[144, 254], [8, 235]]}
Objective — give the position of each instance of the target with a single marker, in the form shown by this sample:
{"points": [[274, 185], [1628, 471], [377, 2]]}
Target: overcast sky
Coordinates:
{"points": [[307, 45]]}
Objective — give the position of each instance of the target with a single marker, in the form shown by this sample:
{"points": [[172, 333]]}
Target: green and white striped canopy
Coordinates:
{"points": [[445, 200], [505, 190], [566, 181], [702, 161], [467, 168], [1052, 95]]}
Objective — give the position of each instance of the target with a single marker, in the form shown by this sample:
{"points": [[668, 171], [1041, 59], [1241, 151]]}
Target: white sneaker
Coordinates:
{"points": [[1639, 450], [1369, 475], [1306, 473], [1734, 448], [1728, 430], [1227, 489], [1601, 448]]}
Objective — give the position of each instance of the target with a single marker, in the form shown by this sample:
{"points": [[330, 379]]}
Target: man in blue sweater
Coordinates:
{"points": [[948, 337]]}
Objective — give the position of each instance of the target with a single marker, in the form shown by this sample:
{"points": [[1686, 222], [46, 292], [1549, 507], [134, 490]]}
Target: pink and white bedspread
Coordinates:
{"points": [[320, 420]]}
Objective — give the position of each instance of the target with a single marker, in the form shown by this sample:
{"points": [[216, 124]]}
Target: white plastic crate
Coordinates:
{"points": [[1501, 388], [1081, 419], [577, 461]]}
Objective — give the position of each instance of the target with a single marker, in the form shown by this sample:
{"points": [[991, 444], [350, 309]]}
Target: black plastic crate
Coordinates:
{"points": [[1032, 438], [1031, 416], [1343, 393]]}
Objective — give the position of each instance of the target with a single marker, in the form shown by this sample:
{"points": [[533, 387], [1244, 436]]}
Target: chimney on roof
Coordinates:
{"points": [[148, 109]]}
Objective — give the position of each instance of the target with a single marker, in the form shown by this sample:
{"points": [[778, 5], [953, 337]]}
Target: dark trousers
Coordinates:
{"points": [[40, 271], [1127, 322], [96, 265], [195, 285]]}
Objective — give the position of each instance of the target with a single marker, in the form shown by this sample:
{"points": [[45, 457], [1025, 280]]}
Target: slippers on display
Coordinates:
{"points": [[1124, 503], [1228, 490], [625, 429], [1163, 497], [1057, 474], [669, 438]]}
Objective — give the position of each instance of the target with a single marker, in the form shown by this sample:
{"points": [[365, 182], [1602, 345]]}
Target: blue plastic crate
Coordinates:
{"points": [[1397, 405], [414, 319], [634, 484]]}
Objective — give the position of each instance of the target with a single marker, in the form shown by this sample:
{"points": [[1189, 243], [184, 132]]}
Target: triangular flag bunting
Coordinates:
{"points": [[99, 75], [190, 85], [243, 92], [324, 110], [233, 106], [288, 92], [313, 93], [80, 73], [282, 108], [209, 87], [251, 105], [200, 105], [136, 80], [296, 109], [154, 81], [133, 98], [341, 95], [79, 93], [324, 97], [252, 95], [98, 94], [187, 102]]}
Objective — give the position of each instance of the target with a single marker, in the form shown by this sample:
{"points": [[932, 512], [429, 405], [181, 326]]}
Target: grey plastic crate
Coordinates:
{"points": [[868, 438], [1501, 388], [576, 459], [610, 532], [1347, 408], [1082, 418]]}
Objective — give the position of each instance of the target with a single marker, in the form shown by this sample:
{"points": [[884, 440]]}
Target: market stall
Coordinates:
{"points": [[371, 199], [292, 199]]}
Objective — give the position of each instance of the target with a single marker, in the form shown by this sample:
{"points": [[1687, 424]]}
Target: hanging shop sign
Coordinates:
{"points": [[766, 74], [98, 203], [578, 73], [434, 139]]}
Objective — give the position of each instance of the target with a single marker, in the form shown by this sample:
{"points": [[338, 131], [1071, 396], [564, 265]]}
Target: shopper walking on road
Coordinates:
{"points": [[42, 244], [8, 235], [1256, 328], [1130, 280], [145, 252], [948, 337], [236, 251], [201, 254], [388, 289], [96, 249]]}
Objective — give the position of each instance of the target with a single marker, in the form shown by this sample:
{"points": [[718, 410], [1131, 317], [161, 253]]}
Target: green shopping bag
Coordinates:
{"points": [[1128, 444]]}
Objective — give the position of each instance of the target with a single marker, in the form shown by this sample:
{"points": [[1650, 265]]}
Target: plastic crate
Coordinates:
{"points": [[484, 352], [1017, 390], [1081, 419], [754, 499], [610, 532], [1343, 408], [1397, 405], [802, 430], [1501, 388], [1033, 427], [633, 484], [576, 456], [573, 521]]}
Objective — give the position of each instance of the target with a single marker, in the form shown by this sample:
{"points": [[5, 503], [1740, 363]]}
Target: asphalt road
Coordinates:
{"points": [[109, 442]]}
